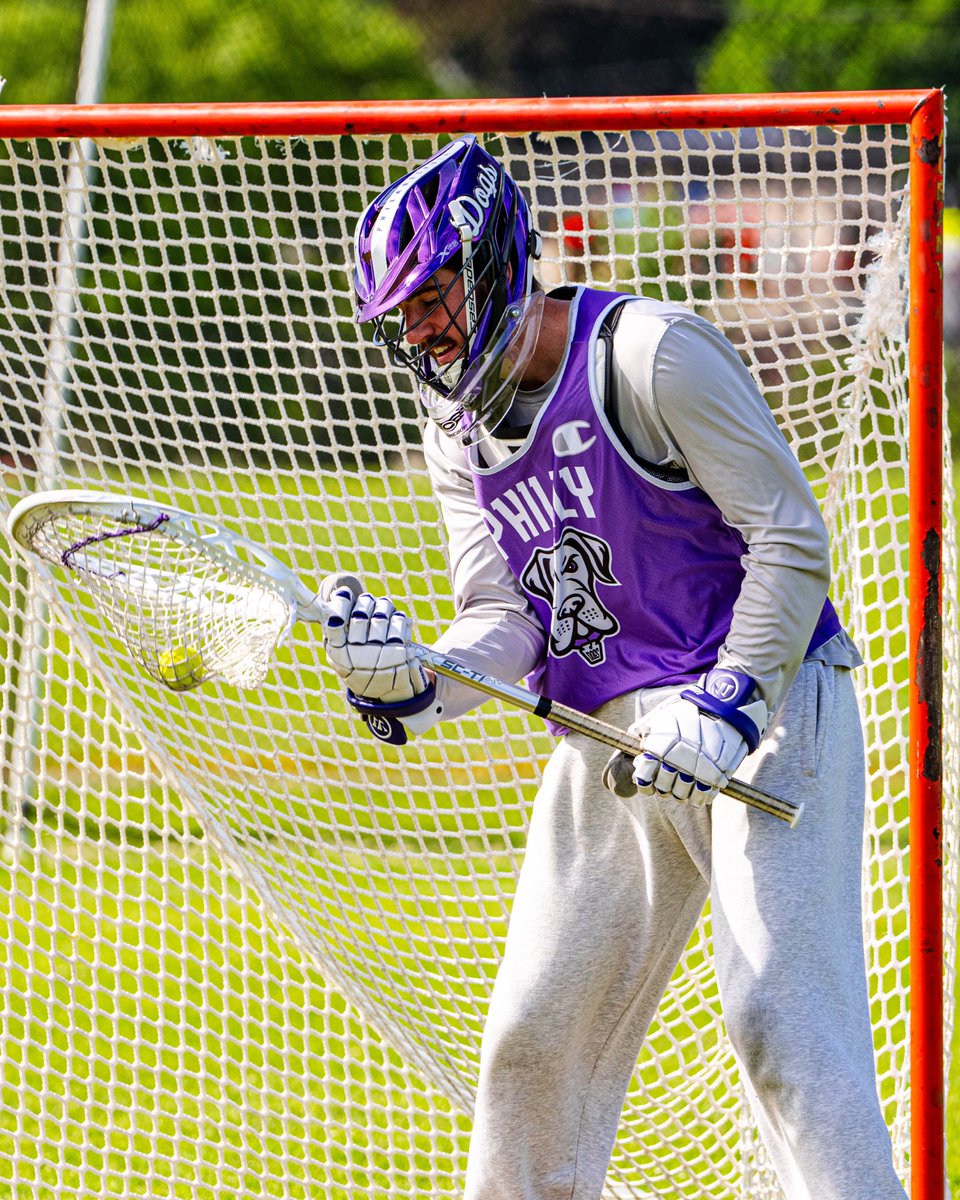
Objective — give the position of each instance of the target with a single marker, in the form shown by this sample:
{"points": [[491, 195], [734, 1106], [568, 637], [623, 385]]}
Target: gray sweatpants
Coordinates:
{"points": [[608, 897]]}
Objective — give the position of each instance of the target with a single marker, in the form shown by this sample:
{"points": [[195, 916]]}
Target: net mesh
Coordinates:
{"points": [[245, 947]]}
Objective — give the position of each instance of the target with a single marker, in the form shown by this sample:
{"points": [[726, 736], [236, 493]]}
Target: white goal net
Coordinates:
{"points": [[245, 949]]}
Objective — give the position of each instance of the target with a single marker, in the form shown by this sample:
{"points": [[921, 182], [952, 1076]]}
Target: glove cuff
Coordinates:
{"points": [[383, 720], [734, 698]]}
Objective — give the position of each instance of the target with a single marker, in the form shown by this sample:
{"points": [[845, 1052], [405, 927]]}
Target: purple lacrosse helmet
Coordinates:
{"points": [[459, 210]]}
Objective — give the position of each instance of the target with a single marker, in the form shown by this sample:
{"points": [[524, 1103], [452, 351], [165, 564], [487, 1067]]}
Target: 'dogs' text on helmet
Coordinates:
{"points": [[462, 211]]}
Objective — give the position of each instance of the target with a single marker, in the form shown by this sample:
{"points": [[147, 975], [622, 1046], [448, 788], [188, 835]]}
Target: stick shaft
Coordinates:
{"points": [[601, 731], [312, 606], [307, 605]]}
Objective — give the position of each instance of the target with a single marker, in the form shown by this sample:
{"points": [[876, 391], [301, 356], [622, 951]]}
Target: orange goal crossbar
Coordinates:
{"points": [[461, 116]]}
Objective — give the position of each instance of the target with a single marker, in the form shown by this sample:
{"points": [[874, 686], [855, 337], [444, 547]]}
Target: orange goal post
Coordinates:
{"points": [[243, 947]]}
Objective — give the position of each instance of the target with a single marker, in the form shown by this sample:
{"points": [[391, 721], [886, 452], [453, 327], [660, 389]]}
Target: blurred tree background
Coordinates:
{"points": [[262, 50], [218, 50], [252, 50]]}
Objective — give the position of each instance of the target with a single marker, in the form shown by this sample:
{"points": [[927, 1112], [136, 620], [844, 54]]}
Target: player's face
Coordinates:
{"points": [[433, 318]]}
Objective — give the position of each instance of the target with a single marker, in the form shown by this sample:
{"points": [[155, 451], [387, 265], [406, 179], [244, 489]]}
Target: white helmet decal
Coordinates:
{"points": [[467, 212]]}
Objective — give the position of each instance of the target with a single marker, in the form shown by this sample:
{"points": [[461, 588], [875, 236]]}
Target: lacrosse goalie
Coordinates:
{"points": [[629, 530]]}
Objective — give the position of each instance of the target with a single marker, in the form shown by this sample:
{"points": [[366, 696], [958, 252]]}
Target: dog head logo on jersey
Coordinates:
{"points": [[566, 576]]}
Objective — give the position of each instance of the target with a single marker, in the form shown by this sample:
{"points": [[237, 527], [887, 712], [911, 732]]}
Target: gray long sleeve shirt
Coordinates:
{"points": [[683, 398]]}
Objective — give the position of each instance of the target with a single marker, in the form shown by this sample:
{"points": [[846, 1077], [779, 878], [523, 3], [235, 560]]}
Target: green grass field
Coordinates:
{"points": [[144, 1102], [162, 1036]]}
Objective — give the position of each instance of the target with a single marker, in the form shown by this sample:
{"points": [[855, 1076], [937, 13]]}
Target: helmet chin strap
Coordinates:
{"points": [[469, 291], [452, 372]]}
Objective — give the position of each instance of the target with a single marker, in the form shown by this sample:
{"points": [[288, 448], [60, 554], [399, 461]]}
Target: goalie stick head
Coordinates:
{"points": [[460, 212], [190, 600]]}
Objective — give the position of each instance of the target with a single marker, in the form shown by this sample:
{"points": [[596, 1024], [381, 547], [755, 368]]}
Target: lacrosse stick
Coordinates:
{"points": [[193, 601]]}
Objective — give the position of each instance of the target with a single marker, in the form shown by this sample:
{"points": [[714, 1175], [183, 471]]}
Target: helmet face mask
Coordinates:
{"points": [[448, 314], [477, 404], [460, 213]]}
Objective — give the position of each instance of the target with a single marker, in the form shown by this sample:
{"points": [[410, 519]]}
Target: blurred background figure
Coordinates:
{"points": [[951, 280]]}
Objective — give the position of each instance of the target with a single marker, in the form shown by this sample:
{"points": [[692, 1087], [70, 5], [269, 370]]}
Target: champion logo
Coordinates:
{"points": [[568, 439]]}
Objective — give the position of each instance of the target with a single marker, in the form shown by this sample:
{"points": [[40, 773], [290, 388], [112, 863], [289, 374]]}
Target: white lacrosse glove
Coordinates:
{"points": [[694, 742], [368, 644]]}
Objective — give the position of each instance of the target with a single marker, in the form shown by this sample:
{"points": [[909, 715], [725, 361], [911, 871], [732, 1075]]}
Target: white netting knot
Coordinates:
{"points": [[885, 304]]}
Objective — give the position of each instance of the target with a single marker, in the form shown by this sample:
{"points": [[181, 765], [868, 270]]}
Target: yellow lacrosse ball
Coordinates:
{"points": [[181, 667]]}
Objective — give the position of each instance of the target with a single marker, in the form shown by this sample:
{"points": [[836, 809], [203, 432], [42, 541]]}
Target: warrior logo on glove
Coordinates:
{"points": [[567, 576]]}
